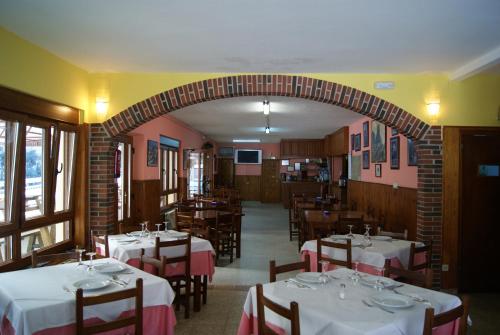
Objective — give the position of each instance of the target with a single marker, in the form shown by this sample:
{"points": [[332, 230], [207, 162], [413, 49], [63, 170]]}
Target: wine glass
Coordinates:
{"points": [[355, 276], [350, 235], [379, 284], [146, 230], [79, 252], [367, 232], [158, 226], [143, 226], [323, 278], [167, 224], [90, 267]]}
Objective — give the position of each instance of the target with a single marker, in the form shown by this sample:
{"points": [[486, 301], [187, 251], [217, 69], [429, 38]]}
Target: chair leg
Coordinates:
{"points": [[231, 248], [177, 296], [187, 297], [205, 286]]}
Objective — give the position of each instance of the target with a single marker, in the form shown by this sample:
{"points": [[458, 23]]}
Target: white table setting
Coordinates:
{"points": [[348, 302], [38, 299]]}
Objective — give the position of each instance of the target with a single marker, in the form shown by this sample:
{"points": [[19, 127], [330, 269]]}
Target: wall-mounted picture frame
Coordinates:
{"points": [[394, 152], [412, 153], [366, 134], [297, 166], [352, 142], [285, 162], [378, 138], [357, 142], [290, 168], [378, 170], [152, 157], [366, 159]]}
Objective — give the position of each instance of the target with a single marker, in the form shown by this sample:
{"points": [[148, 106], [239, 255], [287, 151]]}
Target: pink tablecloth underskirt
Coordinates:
{"points": [[202, 264], [156, 320]]}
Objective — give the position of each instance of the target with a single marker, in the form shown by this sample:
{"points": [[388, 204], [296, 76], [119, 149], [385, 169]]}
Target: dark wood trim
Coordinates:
{"points": [[20, 102]]}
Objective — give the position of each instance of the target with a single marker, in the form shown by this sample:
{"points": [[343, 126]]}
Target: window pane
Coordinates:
{"points": [[44, 237], [35, 174], [164, 171], [64, 171], [172, 198], [120, 181], [129, 176], [176, 155], [163, 201], [8, 140], [171, 167], [5, 249]]}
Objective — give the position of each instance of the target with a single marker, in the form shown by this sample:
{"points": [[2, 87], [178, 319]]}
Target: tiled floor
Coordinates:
{"points": [[265, 237]]}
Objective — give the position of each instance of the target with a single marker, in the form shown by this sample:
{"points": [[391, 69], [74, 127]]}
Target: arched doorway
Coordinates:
{"points": [[104, 138]]}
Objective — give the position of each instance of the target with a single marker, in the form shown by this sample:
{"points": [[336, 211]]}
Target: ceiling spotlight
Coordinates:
{"points": [[266, 107], [268, 130]]}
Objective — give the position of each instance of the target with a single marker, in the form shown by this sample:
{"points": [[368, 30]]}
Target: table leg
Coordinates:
{"points": [[197, 294]]}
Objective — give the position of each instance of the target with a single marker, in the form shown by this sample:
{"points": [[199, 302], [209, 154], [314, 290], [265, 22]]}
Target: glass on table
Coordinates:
{"points": [[90, 268], [143, 231], [323, 278], [367, 231], [379, 284], [79, 252], [350, 235], [355, 276], [158, 226]]}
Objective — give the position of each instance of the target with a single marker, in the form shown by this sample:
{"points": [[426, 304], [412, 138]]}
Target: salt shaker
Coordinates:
{"points": [[342, 291]]}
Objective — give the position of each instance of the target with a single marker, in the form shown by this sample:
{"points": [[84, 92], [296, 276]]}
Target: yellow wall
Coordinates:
{"points": [[31, 69], [26, 67]]}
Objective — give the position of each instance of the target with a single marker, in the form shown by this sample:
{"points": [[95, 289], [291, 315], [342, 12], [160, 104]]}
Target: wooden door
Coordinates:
{"points": [[480, 212], [271, 185], [225, 172]]}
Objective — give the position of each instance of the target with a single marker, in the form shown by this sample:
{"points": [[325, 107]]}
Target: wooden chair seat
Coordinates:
{"points": [[291, 314], [435, 320], [275, 270], [135, 320]]}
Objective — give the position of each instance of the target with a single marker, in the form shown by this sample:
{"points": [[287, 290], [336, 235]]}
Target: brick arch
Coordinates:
{"points": [[104, 138]]}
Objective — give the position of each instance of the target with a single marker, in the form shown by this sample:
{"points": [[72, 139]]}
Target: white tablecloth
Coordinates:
{"points": [[126, 251], [374, 255], [35, 299], [322, 312]]}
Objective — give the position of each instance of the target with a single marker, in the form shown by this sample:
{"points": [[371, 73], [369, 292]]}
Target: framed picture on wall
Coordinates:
{"points": [[394, 152], [366, 134], [378, 148], [152, 158], [290, 168], [366, 159], [297, 166], [357, 142], [285, 162], [378, 170], [412, 153]]}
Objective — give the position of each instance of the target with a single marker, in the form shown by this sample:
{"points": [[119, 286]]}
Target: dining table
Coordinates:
{"points": [[368, 256], [42, 300], [342, 305], [127, 248]]}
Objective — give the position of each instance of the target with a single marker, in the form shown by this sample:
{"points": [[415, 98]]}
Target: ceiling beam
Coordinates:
{"points": [[477, 65]]}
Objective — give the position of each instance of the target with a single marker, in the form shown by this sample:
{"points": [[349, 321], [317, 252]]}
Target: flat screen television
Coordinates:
{"points": [[247, 156]]}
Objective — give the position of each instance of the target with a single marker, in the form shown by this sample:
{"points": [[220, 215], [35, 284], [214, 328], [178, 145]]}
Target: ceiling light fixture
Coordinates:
{"points": [[268, 130], [239, 140], [266, 107], [433, 108]]}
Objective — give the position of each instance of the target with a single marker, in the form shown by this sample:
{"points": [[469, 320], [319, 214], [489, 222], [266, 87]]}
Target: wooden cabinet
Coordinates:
{"points": [[146, 201], [302, 148], [337, 143], [271, 184]]}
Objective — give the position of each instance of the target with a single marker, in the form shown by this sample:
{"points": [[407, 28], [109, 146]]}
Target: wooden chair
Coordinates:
{"points": [[221, 235], [345, 246], [291, 314], [274, 270], [38, 260], [238, 214], [293, 220], [461, 312], [344, 222], [401, 236], [411, 277], [135, 320], [158, 265], [182, 280], [320, 229], [414, 251], [184, 221], [98, 242]]}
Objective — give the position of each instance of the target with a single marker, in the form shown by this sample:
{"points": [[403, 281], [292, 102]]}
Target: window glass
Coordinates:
{"points": [[5, 249], [35, 171], [172, 197], [64, 179], [8, 139], [44, 237], [120, 181]]}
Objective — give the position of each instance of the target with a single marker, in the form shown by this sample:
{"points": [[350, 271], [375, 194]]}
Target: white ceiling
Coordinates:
{"points": [[226, 119], [259, 36]]}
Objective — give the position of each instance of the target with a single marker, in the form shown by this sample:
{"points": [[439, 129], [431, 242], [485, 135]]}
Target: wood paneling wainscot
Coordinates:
{"points": [[146, 201], [397, 206], [249, 187]]}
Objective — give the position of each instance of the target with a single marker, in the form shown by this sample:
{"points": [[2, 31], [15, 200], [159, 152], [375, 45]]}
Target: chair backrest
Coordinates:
{"points": [[418, 278], [291, 314], [186, 258], [224, 220], [344, 221], [136, 319], [320, 229], [158, 265], [274, 270], [402, 236], [414, 251], [345, 246], [184, 220], [38, 260], [461, 312], [98, 242]]}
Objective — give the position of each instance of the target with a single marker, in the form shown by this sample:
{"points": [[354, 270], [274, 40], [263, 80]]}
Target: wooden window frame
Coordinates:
{"points": [[127, 184], [165, 173]]}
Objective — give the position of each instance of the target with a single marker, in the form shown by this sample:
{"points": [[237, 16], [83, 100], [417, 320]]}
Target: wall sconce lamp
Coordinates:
{"points": [[101, 106], [433, 108], [266, 107]]}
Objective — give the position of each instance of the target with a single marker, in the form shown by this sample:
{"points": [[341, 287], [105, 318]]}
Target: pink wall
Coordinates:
{"points": [[405, 176], [268, 150], [164, 125]]}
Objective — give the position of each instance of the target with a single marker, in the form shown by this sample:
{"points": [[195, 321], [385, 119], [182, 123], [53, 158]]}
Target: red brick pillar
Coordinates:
{"points": [[430, 194]]}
